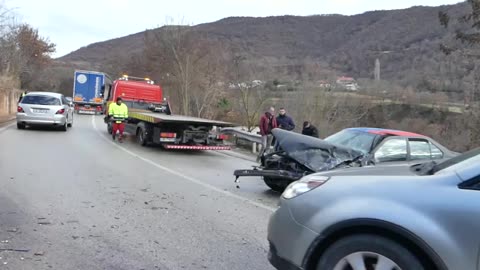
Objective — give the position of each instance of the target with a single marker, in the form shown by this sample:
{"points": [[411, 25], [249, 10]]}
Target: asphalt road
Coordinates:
{"points": [[77, 200]]}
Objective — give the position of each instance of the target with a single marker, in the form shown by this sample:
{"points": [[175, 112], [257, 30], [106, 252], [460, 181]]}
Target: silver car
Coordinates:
{"points": [[45, 108], [412, 218]]}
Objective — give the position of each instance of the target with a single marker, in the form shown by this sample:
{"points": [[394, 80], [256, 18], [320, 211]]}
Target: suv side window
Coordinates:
{"points": [[392, 150], [419, 149]]}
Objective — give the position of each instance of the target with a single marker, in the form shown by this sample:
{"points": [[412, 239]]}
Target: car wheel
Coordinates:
{"points": [[64, 127], [368, 252], [141, 136], [276, 184], [71, 123], [20, 126]]}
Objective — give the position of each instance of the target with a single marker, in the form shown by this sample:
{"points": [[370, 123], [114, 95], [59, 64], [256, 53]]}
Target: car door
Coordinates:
{"points": [[391, 150], [456, 209]]}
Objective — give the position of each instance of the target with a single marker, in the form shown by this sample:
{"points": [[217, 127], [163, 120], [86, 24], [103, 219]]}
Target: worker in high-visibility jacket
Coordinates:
{"points": [[118, 113], [22, 96]]}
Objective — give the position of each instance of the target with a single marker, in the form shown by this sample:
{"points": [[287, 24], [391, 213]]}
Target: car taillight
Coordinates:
{"points": [[222, 137], [304, 185], [20, 109], [168, 135], [61, 111]]}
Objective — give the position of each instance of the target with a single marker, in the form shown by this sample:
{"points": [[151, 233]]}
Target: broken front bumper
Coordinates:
{"points": [[276, 174]]}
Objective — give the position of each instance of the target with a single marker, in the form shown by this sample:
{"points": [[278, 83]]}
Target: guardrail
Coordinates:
{"points": [[255, 139]]}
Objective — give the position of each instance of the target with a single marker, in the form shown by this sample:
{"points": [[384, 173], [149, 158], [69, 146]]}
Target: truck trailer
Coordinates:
{"points": [[88, 89], [151, 120]]}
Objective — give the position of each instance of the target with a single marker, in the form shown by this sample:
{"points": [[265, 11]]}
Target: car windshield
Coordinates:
{"points": [[457, 163], [41, 100], [357, 140]]}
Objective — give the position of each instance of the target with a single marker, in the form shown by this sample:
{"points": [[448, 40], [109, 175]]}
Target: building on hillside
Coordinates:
{"points": [[347, 83], [324, 84]]}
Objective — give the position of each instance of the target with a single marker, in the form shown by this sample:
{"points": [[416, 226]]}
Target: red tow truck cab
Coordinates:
{"points": [[150, 118], [133, 89]]}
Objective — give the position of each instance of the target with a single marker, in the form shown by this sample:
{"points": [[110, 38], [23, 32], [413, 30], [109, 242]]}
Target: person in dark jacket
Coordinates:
{"points": [[267, 124], [284, 121], [309, 129]]}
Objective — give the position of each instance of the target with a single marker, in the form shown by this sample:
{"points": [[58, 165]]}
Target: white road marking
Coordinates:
{"points": [[6, 127], [186, 177]]}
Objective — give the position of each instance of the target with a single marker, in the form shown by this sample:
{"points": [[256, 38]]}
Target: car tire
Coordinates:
{"points": [[370, 249], [278, 185], [21, 126], [71, 123], [64, 127], [141, 136]]}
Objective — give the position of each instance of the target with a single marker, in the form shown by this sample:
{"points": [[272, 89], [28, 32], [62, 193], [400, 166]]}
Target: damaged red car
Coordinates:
{"points": [[298, 155]]}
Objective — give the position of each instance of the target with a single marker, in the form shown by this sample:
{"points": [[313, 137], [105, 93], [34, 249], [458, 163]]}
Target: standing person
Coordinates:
{"points": [[22, 96], [284, 121], [267, 124], [309, 129], [119, 112]]}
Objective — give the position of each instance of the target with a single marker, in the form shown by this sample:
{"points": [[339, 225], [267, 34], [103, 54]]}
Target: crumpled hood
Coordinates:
{"points": [[313, 153]]}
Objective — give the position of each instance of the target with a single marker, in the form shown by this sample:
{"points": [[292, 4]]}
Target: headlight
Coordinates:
{"points": [[304, 185]]}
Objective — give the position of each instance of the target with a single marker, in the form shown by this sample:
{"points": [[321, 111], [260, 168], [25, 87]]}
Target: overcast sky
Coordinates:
{"points": [[74, 24]]}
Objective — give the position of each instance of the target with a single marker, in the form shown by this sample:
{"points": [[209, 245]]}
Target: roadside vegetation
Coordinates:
{"points": [[206, 71]]}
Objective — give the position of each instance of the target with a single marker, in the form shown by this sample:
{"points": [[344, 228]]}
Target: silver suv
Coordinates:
{"points": [[385, 218]]}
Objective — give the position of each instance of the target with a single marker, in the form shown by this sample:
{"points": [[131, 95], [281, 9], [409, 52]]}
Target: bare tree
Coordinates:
{"points": [[189, 66], [250, 99]]}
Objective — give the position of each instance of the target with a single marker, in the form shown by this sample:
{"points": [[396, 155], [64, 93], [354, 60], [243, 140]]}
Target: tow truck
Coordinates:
{"points": [[151, 120]]}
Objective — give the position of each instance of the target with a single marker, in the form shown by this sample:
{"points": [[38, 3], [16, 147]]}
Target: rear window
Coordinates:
{"points": [[41, 100]]}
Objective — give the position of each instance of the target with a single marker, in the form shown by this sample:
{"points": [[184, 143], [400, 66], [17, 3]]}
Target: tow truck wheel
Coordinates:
{"points": [[141, 136], [276, 184]]}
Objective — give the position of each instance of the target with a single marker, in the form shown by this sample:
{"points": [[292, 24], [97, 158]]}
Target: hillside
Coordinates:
{"points": [[346, 44]]}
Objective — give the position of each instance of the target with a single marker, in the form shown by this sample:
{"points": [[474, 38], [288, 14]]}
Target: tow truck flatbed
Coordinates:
{"points": [[154, 118]]}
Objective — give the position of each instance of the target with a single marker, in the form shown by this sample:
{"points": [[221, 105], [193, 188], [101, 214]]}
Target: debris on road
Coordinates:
{"points": [[40, 253], [12, 230]]}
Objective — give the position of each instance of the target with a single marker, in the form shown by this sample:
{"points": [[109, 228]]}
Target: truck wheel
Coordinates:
{"points": [[141, 136], [276, 184]]}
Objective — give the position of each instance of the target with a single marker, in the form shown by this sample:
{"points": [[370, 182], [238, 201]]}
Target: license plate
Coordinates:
{"points": [[86, 112], [167, 139], [39, 111]]}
